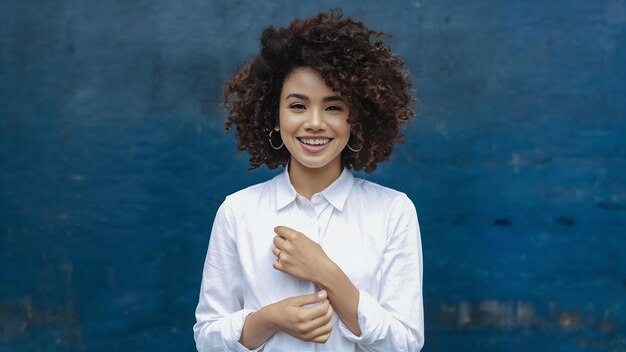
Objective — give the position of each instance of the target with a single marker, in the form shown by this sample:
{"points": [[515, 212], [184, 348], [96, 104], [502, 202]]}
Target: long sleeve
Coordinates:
{"points": [[394, 321], [219, 315]]}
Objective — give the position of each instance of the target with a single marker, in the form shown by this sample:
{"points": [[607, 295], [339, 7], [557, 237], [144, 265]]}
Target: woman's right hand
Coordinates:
{"points": [[293, 317]]}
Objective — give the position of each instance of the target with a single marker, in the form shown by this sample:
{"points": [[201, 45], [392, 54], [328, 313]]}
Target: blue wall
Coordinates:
{"points": [[113, 161]]}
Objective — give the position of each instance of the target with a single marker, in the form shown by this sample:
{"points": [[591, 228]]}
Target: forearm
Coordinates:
{"points": [[257, 329], [343, 296]]}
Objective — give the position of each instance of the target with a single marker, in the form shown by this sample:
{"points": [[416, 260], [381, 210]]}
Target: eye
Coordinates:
{"points": [[297, 106], [334, 108]]}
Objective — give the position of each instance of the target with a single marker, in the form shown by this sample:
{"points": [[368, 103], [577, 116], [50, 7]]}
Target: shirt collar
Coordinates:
{"points": [[285, 193], [336, 194], [338, 191]]}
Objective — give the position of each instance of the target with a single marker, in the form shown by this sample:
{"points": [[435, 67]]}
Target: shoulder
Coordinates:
{"points": [[252, 196], [374, 192], [377, 198]]}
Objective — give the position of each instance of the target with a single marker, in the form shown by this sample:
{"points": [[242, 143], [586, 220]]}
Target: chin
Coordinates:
{"points": [[315, 164]]}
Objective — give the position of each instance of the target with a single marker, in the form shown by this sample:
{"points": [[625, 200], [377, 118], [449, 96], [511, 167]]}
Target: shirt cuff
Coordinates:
{"points": [[231, 331], [373, 321]]}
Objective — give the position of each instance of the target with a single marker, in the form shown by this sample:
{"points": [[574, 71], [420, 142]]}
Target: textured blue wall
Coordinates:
{"points": [[113, 162]]}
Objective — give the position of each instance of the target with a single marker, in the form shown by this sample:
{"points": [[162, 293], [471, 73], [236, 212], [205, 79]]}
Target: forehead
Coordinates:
{"points": [[306, 81]]}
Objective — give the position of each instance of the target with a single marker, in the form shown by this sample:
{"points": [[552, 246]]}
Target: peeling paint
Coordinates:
{"points": [[607, 326], [525, 315], [569, 321], [489, 313], [19, 318], [520, 315]]}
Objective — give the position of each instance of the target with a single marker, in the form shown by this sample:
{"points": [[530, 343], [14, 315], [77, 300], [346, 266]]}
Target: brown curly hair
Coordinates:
{"points": [[353, 61]]}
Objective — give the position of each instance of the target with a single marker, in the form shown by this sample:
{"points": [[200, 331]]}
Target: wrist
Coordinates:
{"points": [[256, 330], [329, 273], [267, 317]]}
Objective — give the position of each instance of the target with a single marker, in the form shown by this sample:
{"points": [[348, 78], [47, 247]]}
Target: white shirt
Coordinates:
{"points": [[371, 232]]}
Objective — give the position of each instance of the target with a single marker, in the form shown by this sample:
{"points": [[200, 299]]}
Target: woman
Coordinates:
{"points": [[315, 259]]}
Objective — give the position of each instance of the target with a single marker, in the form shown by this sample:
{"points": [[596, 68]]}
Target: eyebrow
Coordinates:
{"points": [[304, 97]]}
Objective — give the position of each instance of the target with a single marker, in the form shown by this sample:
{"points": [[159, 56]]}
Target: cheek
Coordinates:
{"points": [[343, 129], [285, 122]]}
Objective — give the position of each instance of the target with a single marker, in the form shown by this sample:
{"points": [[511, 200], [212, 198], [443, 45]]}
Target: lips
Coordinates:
{"points": [[314, 144]]}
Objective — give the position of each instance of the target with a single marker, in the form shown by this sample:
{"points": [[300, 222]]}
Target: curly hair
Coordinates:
{"points": [[351, 59]]}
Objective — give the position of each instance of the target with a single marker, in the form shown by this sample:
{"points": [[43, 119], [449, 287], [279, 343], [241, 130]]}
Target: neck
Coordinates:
{"points": [[308, 181]]}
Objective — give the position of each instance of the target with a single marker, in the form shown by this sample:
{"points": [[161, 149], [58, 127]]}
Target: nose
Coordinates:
{"points": [[315, 120]]}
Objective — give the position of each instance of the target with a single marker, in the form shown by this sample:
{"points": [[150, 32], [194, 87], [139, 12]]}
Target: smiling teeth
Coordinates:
{"points": [[315, 141]]}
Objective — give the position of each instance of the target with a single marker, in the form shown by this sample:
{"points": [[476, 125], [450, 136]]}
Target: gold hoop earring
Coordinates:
{"points": [[272, 144], [354, 150], [356, 128]]}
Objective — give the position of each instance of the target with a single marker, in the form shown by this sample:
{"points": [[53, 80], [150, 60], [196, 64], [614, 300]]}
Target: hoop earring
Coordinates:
{"points": [[357, 132], [272, 144], [355, 150]]}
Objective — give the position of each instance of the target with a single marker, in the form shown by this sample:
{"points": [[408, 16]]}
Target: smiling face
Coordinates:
{"points": [[313, 122]]}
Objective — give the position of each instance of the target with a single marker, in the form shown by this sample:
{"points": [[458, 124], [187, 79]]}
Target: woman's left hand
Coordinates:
{"points": [[298, 256]]}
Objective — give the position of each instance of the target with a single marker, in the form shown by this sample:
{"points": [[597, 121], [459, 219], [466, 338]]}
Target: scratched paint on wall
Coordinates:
{"points": [[113, 161]]}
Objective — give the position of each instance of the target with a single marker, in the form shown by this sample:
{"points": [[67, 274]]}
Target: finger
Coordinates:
{"points": [[311, 298], [329, 311], [279, 242], [276, 264], [321, 339], [324, 319], [285, 232], [321, 333], [276, 251], [315, 315], [280, 230]]}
